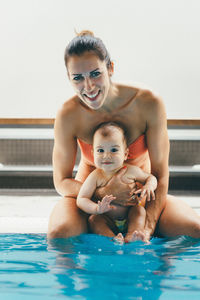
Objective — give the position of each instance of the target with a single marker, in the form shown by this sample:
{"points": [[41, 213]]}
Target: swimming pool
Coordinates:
{"points": [[94, 267]]}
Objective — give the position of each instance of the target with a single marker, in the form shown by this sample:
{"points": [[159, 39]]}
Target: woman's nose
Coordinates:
{"points": [[88, 85]]}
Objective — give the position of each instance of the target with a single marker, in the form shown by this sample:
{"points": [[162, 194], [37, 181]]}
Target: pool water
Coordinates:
{"points": [[94, 267]]}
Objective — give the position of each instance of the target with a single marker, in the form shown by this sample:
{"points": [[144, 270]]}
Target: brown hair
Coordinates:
{"points": [[105, 131], [86, 41]]}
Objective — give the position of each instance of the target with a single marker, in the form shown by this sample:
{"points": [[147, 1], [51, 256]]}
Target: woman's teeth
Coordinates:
{"points": [[92, 96]]}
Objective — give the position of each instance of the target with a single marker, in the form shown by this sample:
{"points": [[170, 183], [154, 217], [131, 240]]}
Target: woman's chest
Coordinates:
{"points": [[128, 118]]}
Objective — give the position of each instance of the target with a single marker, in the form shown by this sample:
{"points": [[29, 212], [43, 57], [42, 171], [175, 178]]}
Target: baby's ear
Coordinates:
{"points": [[126, 154]]}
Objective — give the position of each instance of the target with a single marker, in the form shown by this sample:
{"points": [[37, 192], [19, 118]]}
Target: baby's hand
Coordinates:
{"points": [[104, 204], [147, 190]]}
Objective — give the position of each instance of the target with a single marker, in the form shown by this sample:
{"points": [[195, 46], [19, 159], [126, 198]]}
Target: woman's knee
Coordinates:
{"points": [[58, 231], [178, 218], [195, 232], [68, 228], [66, 220]]}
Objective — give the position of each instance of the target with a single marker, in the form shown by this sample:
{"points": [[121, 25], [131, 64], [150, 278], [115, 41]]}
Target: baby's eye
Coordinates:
{"points": [[114, 150], [100, 150], [95, 74]]}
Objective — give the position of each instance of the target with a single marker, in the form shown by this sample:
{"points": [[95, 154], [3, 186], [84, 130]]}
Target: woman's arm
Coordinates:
{"points": [[64, 152], [158, 147]]}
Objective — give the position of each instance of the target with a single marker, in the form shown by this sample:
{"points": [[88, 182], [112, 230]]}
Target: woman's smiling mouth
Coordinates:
{"points": [[92, 97]]}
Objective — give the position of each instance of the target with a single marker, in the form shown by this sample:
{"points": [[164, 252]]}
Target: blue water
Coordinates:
{"points": [[94, 267]]}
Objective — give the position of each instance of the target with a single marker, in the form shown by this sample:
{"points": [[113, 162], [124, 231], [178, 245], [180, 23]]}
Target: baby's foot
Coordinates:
{"points": [[119, 238], [136, 236]]}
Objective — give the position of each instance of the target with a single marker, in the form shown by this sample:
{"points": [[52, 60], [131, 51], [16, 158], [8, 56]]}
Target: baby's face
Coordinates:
{"points": [[109, 151]]}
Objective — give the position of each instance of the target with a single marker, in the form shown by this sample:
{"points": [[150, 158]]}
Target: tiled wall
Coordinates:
{"points": [[26, 152], [39, 152], [184, 153]]}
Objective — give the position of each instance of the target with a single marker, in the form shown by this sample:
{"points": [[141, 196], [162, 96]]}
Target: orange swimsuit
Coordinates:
{"points": [[137, 148]]}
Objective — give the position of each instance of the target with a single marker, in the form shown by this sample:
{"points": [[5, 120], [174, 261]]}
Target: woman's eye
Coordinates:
{"points": [[114, 150], [100, 150], [95, 74], [78, 78]]}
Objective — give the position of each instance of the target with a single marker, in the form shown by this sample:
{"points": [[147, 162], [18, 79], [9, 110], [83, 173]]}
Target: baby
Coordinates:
{"points": [[107, 217]]}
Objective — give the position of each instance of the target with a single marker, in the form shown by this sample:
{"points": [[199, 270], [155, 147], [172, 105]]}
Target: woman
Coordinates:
{"points": [[141, 113]]}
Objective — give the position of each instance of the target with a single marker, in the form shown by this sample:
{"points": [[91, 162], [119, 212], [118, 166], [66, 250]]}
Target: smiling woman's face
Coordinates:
{"points": [[90, 78]]}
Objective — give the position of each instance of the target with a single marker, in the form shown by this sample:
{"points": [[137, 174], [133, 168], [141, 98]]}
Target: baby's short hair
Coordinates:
{"points": [[105, 129]]}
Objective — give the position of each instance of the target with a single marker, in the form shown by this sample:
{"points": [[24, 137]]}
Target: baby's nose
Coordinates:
{"points": [[107, 154]]}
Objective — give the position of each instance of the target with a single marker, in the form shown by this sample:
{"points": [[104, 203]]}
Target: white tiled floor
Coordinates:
{"points": [[28, 213], [25, 214]]}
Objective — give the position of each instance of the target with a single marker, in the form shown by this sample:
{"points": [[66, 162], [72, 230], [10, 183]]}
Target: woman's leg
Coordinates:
{"points": [[178, 218], [67, 220]]}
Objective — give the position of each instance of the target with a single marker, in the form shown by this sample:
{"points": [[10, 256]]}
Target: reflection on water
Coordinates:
{"points": [[94, 267]]}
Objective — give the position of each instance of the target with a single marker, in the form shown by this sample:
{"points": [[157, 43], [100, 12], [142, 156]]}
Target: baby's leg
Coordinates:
{"points": [[103, 225], [136, 223]]}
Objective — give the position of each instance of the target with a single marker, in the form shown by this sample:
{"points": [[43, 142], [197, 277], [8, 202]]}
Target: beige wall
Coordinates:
{"points": [[154, 42]]}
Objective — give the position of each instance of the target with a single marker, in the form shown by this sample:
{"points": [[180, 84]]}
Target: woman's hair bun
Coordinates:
{"points": [[85, 41], [85, 32]]}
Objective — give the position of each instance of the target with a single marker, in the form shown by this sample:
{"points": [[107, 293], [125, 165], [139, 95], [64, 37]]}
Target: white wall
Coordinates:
{"points": [[154, 42]]}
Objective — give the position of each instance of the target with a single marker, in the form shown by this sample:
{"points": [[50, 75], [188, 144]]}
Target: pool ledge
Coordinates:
{"points": [[30, 213]]}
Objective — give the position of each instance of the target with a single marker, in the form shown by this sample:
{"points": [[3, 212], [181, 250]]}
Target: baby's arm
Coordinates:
{"points": [[84, 201], [148, 180]]}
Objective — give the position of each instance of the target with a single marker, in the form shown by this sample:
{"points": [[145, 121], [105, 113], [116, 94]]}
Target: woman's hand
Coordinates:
{"points": [[123, 191], [104, 205]]}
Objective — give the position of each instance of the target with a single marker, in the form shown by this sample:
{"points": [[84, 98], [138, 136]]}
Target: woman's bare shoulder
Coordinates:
{"points": [[142, 92], [66, 122], [127, 89], [70, 106], [68, 113], [152, 106], [149, 96]]}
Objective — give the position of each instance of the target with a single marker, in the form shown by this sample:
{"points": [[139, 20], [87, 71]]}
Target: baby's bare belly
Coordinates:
{"points": [[119, 213]]}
